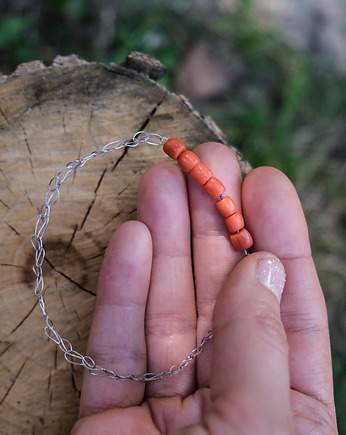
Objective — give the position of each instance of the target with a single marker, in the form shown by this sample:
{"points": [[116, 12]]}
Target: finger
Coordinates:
{"points": [[275, 218], [250, 374], [171, 311], [214, 257], [116, 339]]}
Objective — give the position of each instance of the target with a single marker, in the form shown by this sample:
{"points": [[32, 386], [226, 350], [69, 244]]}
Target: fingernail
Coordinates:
{"points": [[271, 273]]}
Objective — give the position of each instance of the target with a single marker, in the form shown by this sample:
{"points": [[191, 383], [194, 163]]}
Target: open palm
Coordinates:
{"points": [[169, 278]]}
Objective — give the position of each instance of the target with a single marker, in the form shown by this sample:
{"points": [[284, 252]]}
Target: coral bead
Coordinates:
{"points": [[226, 206], [235, 222], [242, 240], [174, 147], [214, 187], [201, 173], [188, 160]]}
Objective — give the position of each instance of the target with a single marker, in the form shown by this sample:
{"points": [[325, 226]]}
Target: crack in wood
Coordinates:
{"points": [[4, 204], [72, 238], [94, 199], [4, 116], [62, 302], [113, 218], [101, 254], [64, 120], [93, 104], [31, 108], [49, 381], [56, 357], [29, 149], [142, 127], [27, 143], [152, 113], [122, 191], [76, 331], [24, 318], [13, 383], [121, 72], [87, 214], [120, 159], [14, 230], [69, 278], [74, 383], [11, 265], [30, 202], [3, 173], [10, 344], [78, 317]]}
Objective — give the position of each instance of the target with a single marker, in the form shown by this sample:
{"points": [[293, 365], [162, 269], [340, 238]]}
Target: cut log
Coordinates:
{"points": [[50, 116]]}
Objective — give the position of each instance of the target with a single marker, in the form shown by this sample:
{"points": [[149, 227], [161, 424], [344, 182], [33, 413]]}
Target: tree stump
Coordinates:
{"points": [[50, 116]]}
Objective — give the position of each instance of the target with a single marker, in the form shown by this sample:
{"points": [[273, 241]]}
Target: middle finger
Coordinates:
{"points": [[214, 257]]}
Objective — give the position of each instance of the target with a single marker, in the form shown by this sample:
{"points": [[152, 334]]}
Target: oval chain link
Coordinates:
{"points": [[52, 196]]}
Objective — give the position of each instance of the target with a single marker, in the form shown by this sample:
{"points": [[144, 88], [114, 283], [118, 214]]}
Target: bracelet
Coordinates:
{"points": [[188, 162]]}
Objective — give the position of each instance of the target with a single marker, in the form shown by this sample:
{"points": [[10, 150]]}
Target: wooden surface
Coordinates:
{"points": [[48, 117]]}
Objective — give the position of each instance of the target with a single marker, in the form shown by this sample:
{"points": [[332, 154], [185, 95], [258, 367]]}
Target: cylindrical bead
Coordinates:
{"points": [[201, 173], [174, 147], [214, 187], [235, 222], [226, 206], [188, 160], [242, 240]]}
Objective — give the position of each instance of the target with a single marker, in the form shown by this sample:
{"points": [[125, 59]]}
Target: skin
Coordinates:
{"points": [[172, 275]]}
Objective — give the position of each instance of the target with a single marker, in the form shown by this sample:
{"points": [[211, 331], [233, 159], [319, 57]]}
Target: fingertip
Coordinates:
{"points": [[221, 159], [268, 176], [162, 187], [167, 171], [131, 238], [163, 207], [274, 214], [129, 229], [129, 246]]}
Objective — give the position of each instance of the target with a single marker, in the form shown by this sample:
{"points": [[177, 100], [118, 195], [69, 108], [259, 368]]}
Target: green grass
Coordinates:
{"points": [[286, 109]]}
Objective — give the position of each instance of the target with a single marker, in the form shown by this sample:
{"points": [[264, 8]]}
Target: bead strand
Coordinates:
{"points": [[188, 161]]}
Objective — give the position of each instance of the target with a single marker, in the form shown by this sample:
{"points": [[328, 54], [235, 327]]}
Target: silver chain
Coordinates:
{"points": [[52, 196]]}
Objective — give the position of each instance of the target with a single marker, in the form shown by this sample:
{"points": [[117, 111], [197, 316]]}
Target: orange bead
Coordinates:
{"points": [[235, 222], [214, 187], [201, 173], [226, 206], [174, 147], [242, 240], [188, 160]]}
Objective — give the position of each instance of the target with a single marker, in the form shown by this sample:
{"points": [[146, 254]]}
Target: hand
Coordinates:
{"points": [[263, 372]]}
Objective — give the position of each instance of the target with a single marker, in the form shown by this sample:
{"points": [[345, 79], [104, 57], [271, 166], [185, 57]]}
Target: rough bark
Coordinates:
{"points": [[50, 116]]}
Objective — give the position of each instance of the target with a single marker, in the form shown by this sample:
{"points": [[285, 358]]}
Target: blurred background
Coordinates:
{"points": [[272, 75]]}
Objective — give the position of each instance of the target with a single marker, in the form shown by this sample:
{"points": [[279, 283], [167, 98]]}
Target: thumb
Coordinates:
{"points": [[250, 375]]}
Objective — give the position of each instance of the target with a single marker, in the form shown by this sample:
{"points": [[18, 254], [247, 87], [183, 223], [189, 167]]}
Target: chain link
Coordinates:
{"points": [[52, 196]]}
